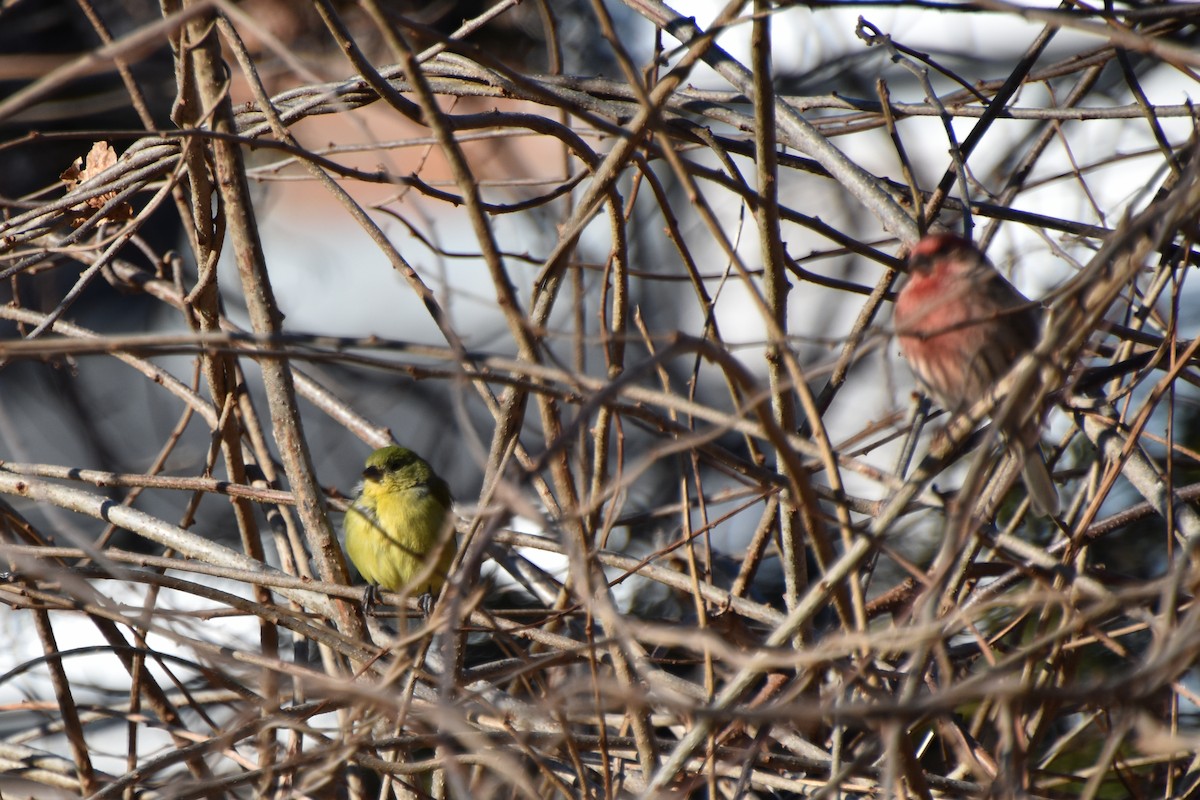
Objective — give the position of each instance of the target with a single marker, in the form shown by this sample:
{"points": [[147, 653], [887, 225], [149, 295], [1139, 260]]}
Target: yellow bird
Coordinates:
{"points": [[396, 523]]}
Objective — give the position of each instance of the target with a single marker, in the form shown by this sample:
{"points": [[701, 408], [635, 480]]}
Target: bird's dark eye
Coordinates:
{"points": [[372, 473]]}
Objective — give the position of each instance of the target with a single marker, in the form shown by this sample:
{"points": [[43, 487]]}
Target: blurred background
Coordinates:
{"points": [[607, 317]]}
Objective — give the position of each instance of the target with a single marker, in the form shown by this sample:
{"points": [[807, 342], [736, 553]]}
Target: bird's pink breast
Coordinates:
{"points": [[940, 340]]}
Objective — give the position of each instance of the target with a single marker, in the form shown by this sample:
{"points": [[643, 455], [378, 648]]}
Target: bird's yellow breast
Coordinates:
{"points": [[392, 531]]}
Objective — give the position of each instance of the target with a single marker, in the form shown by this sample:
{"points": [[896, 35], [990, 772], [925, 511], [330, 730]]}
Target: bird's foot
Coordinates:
{"points": [[425, 603], [372, 599]]}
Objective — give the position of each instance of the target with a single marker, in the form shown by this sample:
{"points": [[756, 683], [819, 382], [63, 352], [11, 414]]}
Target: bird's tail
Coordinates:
{"points": [[1042, 491]]}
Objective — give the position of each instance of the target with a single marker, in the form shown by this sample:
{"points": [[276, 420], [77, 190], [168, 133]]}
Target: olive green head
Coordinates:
{"points": [[395, 468]]}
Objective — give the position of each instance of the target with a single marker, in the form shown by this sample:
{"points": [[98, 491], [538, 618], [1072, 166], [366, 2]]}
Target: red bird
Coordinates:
{"points": [[962, 326]]}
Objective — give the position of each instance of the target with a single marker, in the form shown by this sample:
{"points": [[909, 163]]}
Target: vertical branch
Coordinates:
{"points": [[203, 81], [613, 333], [208, 98], [775, 290], [66, 704]]}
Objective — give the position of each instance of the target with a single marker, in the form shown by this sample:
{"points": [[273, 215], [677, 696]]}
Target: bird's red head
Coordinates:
{"points": [[935, 248]]}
